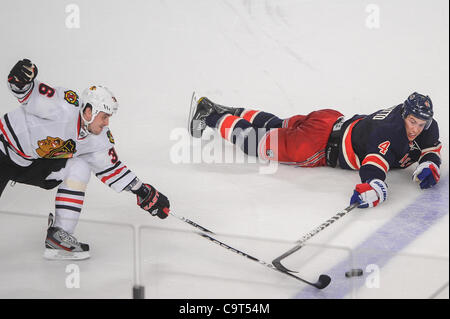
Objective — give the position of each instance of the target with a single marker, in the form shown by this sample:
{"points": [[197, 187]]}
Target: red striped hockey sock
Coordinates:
{"points": [[260, 119]]}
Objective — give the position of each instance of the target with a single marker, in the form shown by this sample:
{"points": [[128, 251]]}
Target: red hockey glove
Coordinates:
{"points": [[23, 73], [149, 199], [369, 194], [427, 174]]}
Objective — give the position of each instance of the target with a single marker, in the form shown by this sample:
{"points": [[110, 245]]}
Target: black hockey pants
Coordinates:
{"points": [[35, 174]]}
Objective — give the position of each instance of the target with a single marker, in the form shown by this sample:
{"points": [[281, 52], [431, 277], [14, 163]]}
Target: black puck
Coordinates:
{"points": [[354, 273]]}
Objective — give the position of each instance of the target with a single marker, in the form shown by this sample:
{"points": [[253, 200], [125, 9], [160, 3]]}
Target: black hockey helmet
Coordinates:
{"points": [[420, 106]]}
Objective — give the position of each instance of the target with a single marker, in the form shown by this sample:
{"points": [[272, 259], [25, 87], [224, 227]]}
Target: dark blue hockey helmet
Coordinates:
{"points": [[420, 106]]}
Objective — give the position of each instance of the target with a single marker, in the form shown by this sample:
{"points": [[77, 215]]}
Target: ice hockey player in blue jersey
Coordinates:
{"points": [[373, 144], [390, 138]]}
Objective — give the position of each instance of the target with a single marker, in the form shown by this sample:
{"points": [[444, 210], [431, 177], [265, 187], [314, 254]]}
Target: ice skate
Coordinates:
{"points": [[200, 109], [221, 109], [60, 245]]}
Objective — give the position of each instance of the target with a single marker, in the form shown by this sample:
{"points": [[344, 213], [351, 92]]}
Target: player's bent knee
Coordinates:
{"points": [[75, 185], [78, 173]]}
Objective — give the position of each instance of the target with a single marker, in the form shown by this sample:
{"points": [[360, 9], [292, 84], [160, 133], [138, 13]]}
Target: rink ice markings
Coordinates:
{"points": [[413, 221]]}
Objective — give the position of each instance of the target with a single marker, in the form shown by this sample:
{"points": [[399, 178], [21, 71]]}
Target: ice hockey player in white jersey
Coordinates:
{"points": [[57, 139]]}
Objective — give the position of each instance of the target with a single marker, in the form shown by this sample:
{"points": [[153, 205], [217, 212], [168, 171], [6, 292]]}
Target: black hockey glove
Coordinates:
{"points": [[23, 73], [149, 199]]}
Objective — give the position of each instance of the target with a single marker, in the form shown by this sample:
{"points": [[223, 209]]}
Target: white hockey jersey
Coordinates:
{"points": [[48, 125]]}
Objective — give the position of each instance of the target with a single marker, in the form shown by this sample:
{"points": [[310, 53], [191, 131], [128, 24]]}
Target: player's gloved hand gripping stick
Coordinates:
{"points": [[370, 194], [152, 201]]}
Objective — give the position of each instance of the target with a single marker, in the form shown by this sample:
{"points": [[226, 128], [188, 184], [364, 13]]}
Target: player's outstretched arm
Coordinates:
{"points": [[149, 199]]}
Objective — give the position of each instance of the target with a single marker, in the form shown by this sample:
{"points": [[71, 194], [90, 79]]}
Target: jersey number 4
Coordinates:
{"points": [[384, 147]]}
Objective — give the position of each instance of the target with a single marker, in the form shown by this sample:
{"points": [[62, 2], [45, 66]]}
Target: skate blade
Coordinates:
{"points": [[193, 107], [59, 254]]}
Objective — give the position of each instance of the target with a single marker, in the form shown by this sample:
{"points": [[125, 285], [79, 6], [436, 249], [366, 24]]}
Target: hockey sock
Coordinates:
{"points": [[237, 130], [68, 205], [260, 119]]}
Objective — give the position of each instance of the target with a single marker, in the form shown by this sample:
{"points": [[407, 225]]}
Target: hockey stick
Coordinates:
{"points": [[190, 222], [324, 280], [277, 261]]}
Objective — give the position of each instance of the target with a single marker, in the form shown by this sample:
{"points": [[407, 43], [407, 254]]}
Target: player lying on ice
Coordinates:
{"points": [[390, 138], [56, 139]]}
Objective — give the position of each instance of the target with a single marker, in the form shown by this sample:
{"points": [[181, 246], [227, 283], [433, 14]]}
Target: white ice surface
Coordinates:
{"points": [[286, 57]]}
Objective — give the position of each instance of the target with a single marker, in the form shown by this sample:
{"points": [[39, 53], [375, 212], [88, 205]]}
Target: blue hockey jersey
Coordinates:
{"points": [[376, 143]]}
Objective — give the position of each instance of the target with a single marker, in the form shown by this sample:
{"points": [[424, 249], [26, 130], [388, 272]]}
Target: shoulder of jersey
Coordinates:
{"points": [[434, 126], [110, 136], [107, 136], [71, 97], [104, 140], [391, 128]]}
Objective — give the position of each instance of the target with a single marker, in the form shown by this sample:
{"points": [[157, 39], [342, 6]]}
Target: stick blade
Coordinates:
{"points": [[324, 281]]}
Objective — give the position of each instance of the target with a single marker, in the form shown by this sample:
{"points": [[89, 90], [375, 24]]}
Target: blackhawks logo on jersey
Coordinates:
{"points": [[110, 137], [55, 147], [71, 97]]}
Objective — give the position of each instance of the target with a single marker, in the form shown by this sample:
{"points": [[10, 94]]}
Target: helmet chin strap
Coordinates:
{"points": [[84, 131], [85, 123]]}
